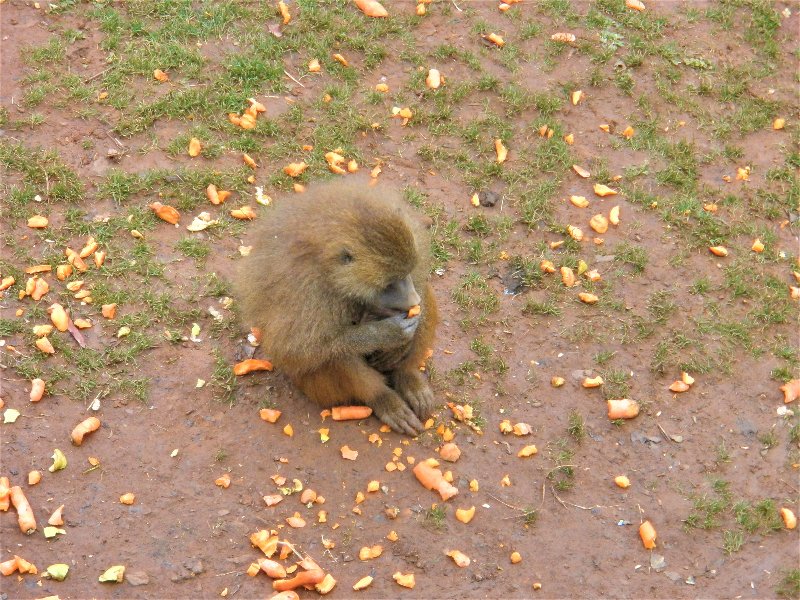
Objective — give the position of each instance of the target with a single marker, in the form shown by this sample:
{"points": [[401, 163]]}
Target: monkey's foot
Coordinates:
{"points": [[415, 390], [392, 410]]}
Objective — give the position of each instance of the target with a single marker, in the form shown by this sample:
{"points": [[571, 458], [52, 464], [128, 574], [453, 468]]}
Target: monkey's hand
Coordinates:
{"points": [[415, 390], [393, 410], [375, 336]]}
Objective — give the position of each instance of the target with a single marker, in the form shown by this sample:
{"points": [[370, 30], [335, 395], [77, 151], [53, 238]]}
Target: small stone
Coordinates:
{"points": [[658, 562], [195, 566], [488, 197], [673, 576], [746, 427], [137, 578]]}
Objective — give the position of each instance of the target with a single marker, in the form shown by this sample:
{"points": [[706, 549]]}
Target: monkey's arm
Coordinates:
{"points": [[374, 336]]}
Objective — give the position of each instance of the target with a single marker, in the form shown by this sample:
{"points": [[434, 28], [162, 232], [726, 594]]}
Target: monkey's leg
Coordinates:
{"points": [[352, 380], [414, 388]]}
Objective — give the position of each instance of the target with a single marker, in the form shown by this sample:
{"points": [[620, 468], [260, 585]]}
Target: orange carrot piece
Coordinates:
{"points": [[56, 519], [250, 365], [84, 427], [433, 479], [270, 415], [5, 498], [350, 413], [648, 534], [27, 522], [272, 568], [7, 567], [312, 577]]}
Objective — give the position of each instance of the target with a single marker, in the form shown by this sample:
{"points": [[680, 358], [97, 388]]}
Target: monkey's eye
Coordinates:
{"points": [[345, 257]]}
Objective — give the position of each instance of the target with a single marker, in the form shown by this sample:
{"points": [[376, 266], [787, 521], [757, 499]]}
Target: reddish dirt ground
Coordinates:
{"points": [[184, 537]]}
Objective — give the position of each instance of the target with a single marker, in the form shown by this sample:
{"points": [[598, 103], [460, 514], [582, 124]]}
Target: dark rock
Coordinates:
{"points": [[638, 436], [488, 197], [194, 565], [746, 427]]}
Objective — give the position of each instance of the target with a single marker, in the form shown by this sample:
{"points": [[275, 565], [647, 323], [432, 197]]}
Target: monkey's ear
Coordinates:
{"points": [[345, 256]]}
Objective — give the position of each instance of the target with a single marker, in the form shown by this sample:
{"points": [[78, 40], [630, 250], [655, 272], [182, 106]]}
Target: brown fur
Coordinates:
{"points": [[316, 312]]}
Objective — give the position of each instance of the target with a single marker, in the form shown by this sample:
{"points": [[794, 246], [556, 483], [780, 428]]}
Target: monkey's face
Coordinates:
{"points": [[372, 266]]}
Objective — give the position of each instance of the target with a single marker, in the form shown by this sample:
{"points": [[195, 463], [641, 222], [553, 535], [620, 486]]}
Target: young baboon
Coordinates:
{"points": [[329, 281]]}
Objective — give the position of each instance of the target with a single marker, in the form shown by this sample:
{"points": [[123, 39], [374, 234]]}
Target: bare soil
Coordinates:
{"points": [[185, 537]]}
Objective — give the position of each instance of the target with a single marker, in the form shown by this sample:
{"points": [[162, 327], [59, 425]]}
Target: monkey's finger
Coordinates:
{"points": [[399, 416]]}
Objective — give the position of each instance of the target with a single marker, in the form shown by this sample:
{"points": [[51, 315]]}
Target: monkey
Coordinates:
{"points": [[329, 281]]}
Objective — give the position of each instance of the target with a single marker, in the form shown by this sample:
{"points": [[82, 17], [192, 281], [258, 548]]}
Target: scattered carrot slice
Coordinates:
{"points": [[567, 276], [81, 429], [165, 212], [270, 415], [195, 146], [295, 169], [37, 389], [635, 4], [250, 365], [718, 250], [363, 583], [348, 454], [44, 345], [566, 38], [791, 391], [350, 413], [59, 316], [56, 519], [582, 172], [223, 481], [461, 559], [789, 520], [405, 580], [599, 223], [678, 387], [414, 311], [5, 489], [109, 311], [450, 452], [434, 79], [433, 479], [622, 409], [312, 577], [465, 515], [372, 8], [622, 481], [648, 534], [501, 151], [495, 39], [603, 190], [296, 521], [38, 222], [284, 10], [160, 75], [245, 213], [127, 498], [25, 518]]}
